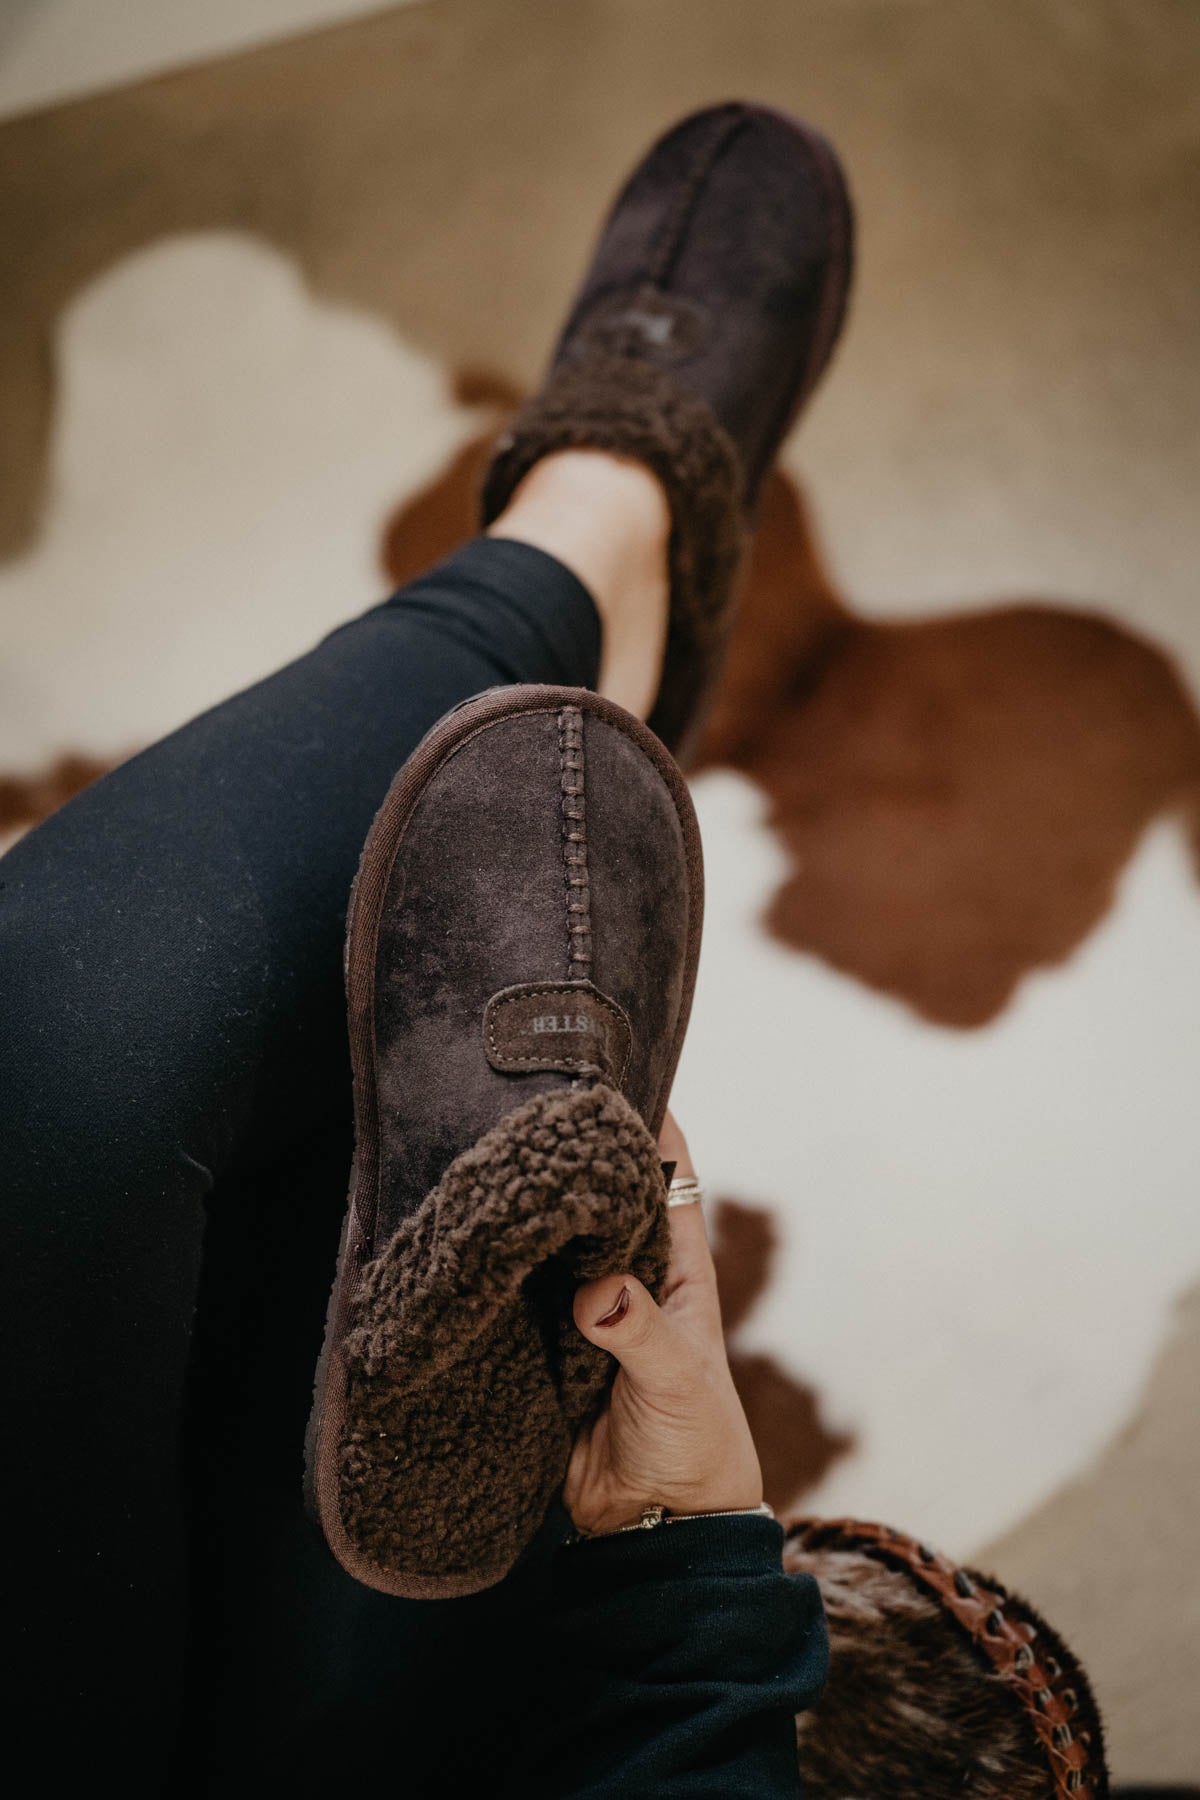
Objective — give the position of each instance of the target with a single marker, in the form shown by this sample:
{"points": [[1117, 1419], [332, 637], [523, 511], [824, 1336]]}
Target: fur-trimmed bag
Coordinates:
{"points": [[942, 1683]]}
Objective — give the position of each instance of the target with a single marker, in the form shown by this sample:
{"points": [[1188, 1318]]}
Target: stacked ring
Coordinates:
{"points": [[684, 1190]]}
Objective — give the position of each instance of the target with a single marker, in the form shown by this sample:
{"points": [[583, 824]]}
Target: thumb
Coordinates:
{"points": [[619, 1315]]}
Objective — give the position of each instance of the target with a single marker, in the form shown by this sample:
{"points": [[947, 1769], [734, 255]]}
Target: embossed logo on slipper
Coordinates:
{"points": [[569, 1026], [668, 326]]}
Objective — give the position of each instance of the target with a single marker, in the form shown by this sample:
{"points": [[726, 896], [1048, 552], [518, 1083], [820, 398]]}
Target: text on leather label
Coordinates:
{"points": [[568, 1026]]}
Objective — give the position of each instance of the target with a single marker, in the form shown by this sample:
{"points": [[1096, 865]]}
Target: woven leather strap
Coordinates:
{"points": [[1042, 1673]]}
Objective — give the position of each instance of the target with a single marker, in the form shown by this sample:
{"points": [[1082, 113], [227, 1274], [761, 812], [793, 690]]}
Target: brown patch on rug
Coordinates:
{"points": [[25, 800], [958, 795], [445, 512], [795, 1445], [744, 1246], [438, 517]]}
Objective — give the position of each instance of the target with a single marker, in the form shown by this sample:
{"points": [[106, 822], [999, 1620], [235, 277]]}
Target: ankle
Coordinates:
{"points": [[607, 518]]}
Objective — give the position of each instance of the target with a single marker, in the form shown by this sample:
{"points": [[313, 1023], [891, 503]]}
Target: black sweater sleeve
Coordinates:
{"points": [[677, 1659]]}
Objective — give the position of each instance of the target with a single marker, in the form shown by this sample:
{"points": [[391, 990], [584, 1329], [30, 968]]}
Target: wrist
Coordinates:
{"points": [[594, 1514], [621, 1510], [652, 1516]]}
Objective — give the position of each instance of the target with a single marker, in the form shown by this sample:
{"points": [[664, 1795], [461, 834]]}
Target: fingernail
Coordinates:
{"points": [[618, 1311]]}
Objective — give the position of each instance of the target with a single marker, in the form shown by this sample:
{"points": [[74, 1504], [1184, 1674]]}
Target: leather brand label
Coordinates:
{"points": [[565, 1025]]}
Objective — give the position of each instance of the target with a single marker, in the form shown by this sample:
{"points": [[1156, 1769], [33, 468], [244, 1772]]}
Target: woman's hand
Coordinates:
{"points": [[673, 1432]]}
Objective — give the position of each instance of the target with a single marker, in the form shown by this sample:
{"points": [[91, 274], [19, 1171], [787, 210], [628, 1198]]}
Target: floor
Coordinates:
{"points": [[953, 888]]}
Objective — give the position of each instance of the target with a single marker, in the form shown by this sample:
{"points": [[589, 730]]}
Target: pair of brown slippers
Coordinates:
{"points": [[522, 948], [525, 925]]}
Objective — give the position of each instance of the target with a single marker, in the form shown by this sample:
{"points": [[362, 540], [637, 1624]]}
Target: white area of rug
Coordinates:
{"points": [[227, 448], [983, 1232]]}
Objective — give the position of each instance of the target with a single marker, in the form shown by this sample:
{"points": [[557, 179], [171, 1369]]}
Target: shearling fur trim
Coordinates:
{"points": [[605, 401], [468, 1380], [910, 1711]]}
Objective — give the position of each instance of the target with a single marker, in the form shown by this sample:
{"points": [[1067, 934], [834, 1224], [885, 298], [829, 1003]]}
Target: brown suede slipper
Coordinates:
{"points": [[521, 953], [710, 310]]}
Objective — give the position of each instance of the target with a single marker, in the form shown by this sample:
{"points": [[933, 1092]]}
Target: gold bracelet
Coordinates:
{"points": [[650, 1516]]}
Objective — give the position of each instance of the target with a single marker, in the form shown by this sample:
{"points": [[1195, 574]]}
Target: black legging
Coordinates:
{"points": [[175, 1091]]}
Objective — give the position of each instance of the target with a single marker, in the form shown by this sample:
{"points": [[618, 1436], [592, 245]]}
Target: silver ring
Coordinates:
{"points": [[685, 1190]]}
